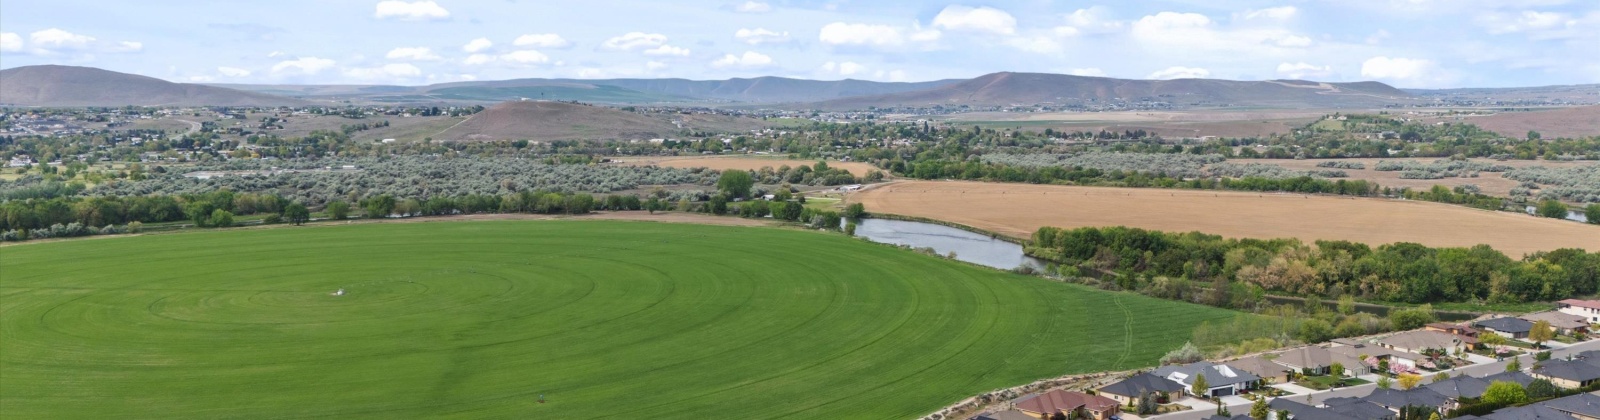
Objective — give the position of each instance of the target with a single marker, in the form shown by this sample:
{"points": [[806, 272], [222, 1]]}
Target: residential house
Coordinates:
{"points": [[1267, 370], [1588, 309], [1071, 404], [1583, 406], [1359, 409], [1567, 373], [1395, 399], [1221, 380], [1128, 390], [1353, 356], [1313, 360], [1518, 377], [1004, 415], [1564, 323], [1413, 343], [1235, 417], [1508, 327], [1527, 412], [1300, 411], [1460, 387], [1469, 334]]}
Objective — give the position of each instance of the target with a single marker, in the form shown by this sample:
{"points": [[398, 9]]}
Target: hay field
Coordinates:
{"points": [[1019, 209], [605, 319], [737, 162], [1492, 183]]}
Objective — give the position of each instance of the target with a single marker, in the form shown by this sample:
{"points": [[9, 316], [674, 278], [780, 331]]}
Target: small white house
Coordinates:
{"points": [[1588, 309]]}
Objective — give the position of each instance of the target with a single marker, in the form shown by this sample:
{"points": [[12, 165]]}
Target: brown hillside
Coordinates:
{"points": [[538, 120], [1564, 122], [53, 85], [1033, 88]]}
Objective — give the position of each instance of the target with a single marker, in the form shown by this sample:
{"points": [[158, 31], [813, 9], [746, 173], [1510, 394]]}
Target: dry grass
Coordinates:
{"points": [[738, 162], [1020, 209], [1552, 123], [1165, 123], [1492, 183]]}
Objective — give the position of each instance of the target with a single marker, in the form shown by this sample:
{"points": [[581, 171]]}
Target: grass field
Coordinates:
{"points": [[477, 319], [1492, 183], [1020, 209]]}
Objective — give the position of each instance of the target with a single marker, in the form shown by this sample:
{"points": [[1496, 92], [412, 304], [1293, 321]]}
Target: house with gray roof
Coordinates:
{"points": [[1517, 377], [1567, 373], [1527, 412], [1583, 406], [1508, 327], [1563, 322], [1300, 411], [1267, 370], [1460, 387], [1127, 391], [1221, 380]]}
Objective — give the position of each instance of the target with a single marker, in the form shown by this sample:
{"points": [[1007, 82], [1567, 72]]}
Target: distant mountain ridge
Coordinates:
{"points": [[52, 85], [759, 90], [1006, 88]]}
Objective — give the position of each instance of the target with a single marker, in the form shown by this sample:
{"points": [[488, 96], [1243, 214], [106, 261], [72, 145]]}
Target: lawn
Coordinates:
{"points": [[478, 319]]}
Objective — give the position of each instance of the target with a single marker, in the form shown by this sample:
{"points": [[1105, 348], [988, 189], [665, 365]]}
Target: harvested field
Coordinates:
{"points": [[1166, 124], [1492, 183], [738, 162], [1019, 209], [1552, 123]]}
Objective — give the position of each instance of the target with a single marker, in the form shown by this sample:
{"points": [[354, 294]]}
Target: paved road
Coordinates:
{"points": [[1359, 391]]}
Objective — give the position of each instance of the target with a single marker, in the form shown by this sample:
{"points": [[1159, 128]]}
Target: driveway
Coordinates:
{"points": [[1317, 397]]}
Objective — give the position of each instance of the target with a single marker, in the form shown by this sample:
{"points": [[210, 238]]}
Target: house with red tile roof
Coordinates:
{"points": [[1069, 403]]}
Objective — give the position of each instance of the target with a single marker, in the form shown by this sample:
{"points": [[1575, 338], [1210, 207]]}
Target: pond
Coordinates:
{"points": [[968, 246], [987, 251]]}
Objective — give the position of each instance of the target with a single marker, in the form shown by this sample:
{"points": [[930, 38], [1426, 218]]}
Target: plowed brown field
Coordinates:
{"points": [[1019, 209]]}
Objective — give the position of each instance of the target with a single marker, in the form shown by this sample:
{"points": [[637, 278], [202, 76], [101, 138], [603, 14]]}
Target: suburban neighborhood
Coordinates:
{"points": [[1536, 366]]}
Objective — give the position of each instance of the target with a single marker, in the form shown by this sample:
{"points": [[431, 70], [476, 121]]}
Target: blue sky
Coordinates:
{"points": [[1407, 43]]}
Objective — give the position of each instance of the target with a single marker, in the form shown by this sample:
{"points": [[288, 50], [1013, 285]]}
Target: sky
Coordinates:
{"points": [[1406, 43]]}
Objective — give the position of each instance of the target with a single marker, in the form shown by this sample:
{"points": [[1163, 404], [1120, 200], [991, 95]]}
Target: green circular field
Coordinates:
{"points": [[478, 319]]}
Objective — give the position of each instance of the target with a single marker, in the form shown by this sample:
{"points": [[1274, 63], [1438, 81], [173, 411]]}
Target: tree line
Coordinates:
{"points": [[1399, 272]]}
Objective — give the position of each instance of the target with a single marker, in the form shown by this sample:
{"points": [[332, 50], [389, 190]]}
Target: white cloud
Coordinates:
{"points": [[1291, 41], [1397, 68], [201, 79], [1271, 13], [514, 57], [1036, 44], [655, 65], [848, 68], [10, 42], [275, 54], [760, 36], [127, 46], [1302, 70], [840, 33], [981, 20], [1527, 21], [541, 41], [668, 50], [753, 6], [890, 76], [395, 71], [1165, 22], [1089, 71], [1180, 72], [525, 57], [53, 39], [477, 45], [1094, 20], [233, 72], [303, 65], [750, 60], [634, 41], [410, 11], [413, 54]]}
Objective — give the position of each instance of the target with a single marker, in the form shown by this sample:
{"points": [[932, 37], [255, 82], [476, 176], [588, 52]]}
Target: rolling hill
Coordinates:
{"points": [[542, 120], [52, 85], [760, 90], [999, 89]]}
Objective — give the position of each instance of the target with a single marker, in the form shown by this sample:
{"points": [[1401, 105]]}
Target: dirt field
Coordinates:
{"points": [[738, 162], [1019, 209], [1552, 123], [1492, 183], [1164, 123]]}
